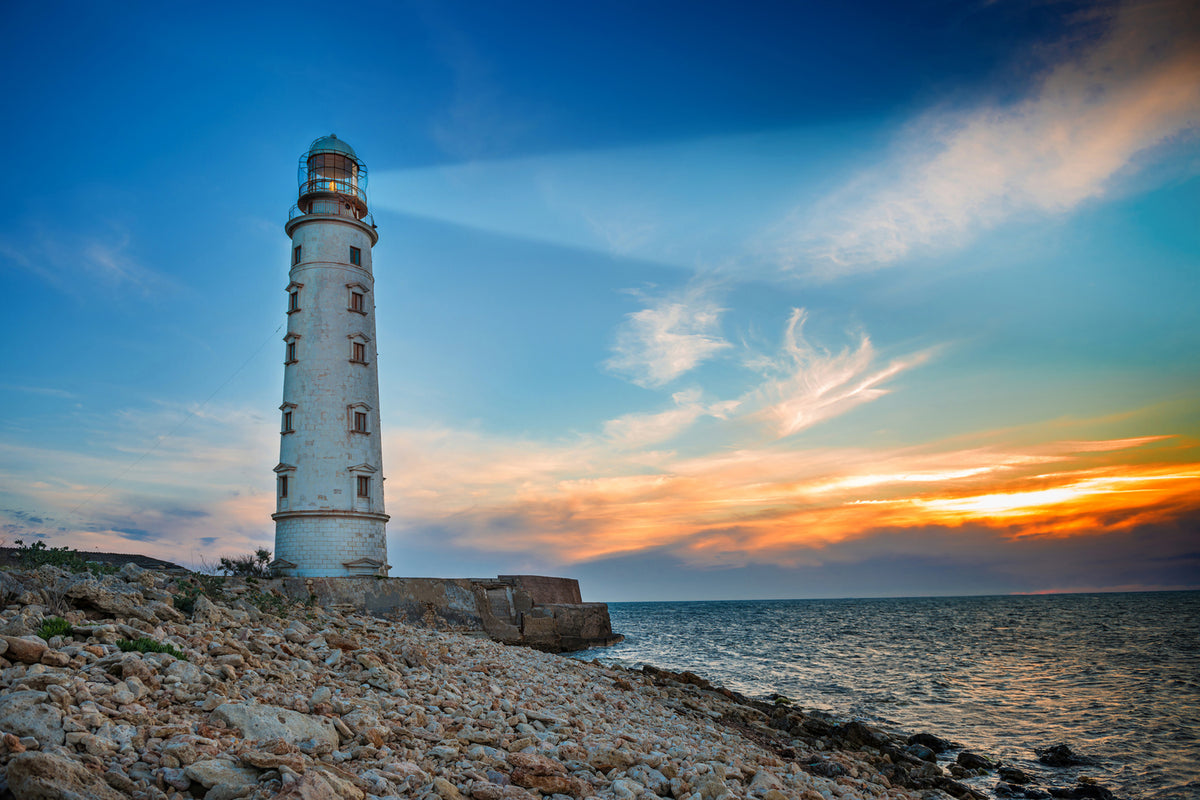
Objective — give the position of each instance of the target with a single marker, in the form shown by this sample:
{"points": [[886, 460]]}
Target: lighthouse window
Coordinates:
{"points": [[291, 353], [364, 486], [360, 352], [356, 302], [296, 254], [356, 256], [360, 422], [293, 301], [287, 422], [283, 485]]}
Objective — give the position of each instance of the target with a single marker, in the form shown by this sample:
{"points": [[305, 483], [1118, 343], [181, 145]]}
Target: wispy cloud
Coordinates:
{"points": [[48, 391], [78, 264], [806, 384], [669, 338], [640, 430], [1107, 101]]}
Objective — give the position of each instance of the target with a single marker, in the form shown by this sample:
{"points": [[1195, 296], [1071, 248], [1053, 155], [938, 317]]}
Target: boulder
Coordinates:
{"points": [[1014, 776], [31, 713], [26, 649], [486, 790], [44, 776], [1059, 755], [858, 734], [968, 760], [446, 790], [314, 785], [934, 743], [271, 722], [922, 752], [111, 596], [340, 642], [205, 611], [217, 772], [1083, 791], [536, 764], [550, 784]]}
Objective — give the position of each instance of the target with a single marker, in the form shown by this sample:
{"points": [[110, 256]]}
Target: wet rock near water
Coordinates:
{"points": [[1060, 755], [973, 761]]}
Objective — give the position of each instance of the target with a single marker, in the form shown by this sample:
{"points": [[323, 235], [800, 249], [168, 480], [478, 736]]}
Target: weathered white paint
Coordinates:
{"points": [[323, 524]]}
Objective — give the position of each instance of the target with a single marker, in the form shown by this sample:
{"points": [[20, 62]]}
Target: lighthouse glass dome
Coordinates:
{"points": [[333, 180]]}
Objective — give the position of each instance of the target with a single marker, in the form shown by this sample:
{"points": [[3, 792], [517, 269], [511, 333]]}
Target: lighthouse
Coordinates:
{"points": [[329, 517]]}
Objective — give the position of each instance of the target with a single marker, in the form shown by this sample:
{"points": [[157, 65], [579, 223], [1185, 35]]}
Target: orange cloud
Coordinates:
{"points": [[777, 505]]}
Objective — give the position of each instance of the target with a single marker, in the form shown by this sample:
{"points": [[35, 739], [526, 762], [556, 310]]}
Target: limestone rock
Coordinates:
{"points": [[214, 772], [110, 596], [550, 784], [485, 790], [55, 658], [271, 722], [26, 649], [446, 790], [341, 642], [205, 611], [45, 776], [536, 764], [31, 713], [321, 786], [265, 760]]}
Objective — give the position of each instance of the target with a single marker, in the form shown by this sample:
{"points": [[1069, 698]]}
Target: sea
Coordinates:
{"points": [[1114, 676]]}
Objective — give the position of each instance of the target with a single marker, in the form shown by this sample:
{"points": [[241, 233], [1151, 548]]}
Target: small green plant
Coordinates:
{"points": [[212, 585], [780, 700], [145, 644], [267, 603], [248, 566], [54, 626], [188, 591], [185, 601]]}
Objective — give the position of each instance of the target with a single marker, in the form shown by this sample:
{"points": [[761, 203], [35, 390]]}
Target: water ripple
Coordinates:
{"points": [[1114, 675]]}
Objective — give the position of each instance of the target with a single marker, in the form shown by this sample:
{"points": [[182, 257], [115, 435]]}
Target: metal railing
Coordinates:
{"points": [[342, 187], [330, 207]]}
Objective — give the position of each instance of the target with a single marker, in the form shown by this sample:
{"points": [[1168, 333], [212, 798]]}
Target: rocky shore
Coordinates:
{"points": [[147, 685]]}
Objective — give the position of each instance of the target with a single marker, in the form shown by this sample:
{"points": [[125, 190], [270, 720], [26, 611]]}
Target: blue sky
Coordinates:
{"points": [[686, 300]]}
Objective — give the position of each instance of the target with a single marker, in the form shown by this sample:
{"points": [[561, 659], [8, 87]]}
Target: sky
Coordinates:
{"points": [[687, 300]]}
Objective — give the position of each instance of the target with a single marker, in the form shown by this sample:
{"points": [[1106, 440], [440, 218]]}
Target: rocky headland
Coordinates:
{"points": [[151, 685]]}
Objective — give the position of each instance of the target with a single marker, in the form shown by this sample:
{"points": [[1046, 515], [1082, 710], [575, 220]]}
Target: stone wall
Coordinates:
{"points": [[544, 589], [504, 608]]}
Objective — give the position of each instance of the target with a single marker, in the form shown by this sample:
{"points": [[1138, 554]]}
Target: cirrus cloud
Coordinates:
{"points": [[672, 336], [957, 172]]}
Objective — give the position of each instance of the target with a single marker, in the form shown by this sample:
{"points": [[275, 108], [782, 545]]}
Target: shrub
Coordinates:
{"points": [[249, 566], [35, 555], [185, 601], [54, 626], [148, 645], [190, 589]]}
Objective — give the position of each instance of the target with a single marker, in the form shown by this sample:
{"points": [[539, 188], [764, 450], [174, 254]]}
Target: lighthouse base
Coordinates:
{"points": [[321, 544]]}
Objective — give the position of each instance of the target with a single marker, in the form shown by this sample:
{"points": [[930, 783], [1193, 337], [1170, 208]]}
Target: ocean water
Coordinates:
{"points": [[1115, 676]]}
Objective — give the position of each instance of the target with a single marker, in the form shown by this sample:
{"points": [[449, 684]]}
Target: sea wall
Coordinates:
{"points": [[531, 610]]}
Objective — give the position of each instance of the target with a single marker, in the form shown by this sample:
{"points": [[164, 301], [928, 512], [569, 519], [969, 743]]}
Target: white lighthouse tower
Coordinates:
{"points": [[329, 519]]}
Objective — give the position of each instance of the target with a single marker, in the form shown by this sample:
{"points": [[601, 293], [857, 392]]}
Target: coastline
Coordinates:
{"points": [[278, 699]]}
